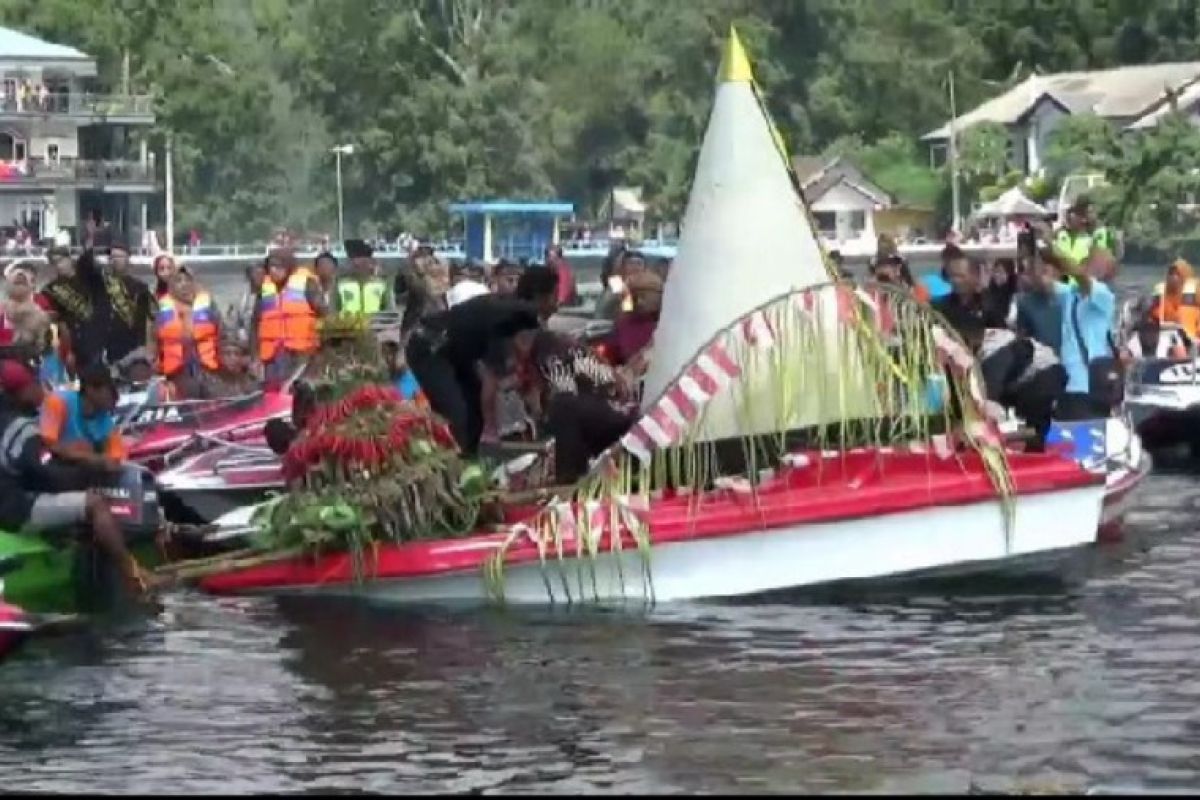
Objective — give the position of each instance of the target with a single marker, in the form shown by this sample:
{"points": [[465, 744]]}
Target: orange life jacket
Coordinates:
{"points": [[285, 318], [1185, 312], [172, 338]]}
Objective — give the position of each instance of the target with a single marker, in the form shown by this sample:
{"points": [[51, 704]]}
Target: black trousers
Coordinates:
{"points": [[1075, 406], [453, 391], [582, 425], [1034, 402]]}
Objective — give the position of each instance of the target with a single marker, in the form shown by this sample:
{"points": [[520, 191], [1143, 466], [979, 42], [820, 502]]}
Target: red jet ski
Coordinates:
{"points": [[175, 429], [213, 482]]}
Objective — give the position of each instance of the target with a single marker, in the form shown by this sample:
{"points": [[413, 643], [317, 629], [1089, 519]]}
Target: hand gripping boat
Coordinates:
{"points": [[62, 572]]}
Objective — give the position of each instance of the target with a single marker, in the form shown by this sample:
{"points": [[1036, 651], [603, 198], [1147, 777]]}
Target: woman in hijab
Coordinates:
{"points": [[23, 323], [164, 268], [1175, 298]]}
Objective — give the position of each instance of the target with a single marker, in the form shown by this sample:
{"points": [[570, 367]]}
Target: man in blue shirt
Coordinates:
{"points": [[1088, 309], [1039, 309]]}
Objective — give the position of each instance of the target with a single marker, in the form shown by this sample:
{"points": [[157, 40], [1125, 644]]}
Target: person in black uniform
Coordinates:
{"points": [[446, 351]]}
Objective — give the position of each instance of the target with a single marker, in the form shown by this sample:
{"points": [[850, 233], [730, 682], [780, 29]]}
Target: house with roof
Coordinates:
{"points": [[1131, 98], [850, 209], [69, 152]]}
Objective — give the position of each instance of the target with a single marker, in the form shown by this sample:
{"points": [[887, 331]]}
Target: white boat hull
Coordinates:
{"points": [[970, 537]]}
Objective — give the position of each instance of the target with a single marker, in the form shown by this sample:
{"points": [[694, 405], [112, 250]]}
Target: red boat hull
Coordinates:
{"points": [[840, 489], [236, 422]]}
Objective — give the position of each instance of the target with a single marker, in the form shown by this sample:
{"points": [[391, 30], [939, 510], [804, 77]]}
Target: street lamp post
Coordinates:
{"points": [[338, 152]]}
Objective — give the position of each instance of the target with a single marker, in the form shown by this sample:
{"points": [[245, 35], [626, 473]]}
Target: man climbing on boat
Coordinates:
{"points": [[445, 351], [970, 302], [1019, 373], [36, 495], [285, 321]]}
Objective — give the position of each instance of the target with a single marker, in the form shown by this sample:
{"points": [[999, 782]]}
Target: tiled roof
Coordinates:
{"points": [[1121, 92]]}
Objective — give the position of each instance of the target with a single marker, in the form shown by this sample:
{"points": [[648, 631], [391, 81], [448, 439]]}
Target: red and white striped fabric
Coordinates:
{"points": [[664, 423]]}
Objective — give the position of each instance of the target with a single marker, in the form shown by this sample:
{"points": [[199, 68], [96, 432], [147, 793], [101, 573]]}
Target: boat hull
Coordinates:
{"points": [[68, 578], [947, 539], [880, 518]]}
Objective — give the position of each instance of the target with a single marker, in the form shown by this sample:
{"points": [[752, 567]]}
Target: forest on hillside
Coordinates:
{"points": [[453, 99]]}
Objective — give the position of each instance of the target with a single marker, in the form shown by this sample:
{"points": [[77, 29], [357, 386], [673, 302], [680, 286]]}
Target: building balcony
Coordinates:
{"points": [[107, 175], [83, 107]]}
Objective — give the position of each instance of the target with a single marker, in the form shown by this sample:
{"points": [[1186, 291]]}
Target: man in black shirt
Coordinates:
{"points": [[969, 303], [130, 306], [445, 352], [37, 494], [78, 304]]}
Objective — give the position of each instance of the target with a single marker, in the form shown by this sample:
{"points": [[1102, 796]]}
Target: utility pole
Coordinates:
{"points": [[952, 152], [170, 181], [338, 152]]}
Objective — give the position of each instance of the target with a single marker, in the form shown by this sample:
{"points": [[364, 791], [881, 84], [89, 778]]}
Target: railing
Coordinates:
{"points": [[78, 104], [69, 170]]}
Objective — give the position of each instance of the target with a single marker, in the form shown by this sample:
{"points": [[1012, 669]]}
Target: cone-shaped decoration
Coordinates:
{"points": [[735, 66], [746, 236]]}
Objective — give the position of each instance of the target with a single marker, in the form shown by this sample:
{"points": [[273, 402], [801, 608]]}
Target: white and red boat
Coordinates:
{"points": [[780, 350], [857, 515]]}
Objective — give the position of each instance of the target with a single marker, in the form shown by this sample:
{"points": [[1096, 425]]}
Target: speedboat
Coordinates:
{"points": [[1112, 448], [187, 426], [1162, 392], [824, 517], [220, 480]]}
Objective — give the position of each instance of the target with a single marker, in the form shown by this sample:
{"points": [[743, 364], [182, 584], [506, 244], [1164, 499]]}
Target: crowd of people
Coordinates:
{"points": [[1043, 325], [475, 343]]}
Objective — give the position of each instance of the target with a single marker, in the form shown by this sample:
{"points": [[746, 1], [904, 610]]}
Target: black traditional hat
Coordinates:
{"points": [[357, 248]]}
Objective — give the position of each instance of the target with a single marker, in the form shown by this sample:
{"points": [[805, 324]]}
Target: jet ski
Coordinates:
{"points": [[1162, 389], [214, 482]]}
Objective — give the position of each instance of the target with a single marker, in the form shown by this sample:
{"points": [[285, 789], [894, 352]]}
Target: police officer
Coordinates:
{"points": [[362, 293], [1080, 234]]}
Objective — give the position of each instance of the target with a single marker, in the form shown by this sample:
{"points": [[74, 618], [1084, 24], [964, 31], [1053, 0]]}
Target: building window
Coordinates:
{"points": [[19, 152], [858, 221], [826, 222], [52, 153]]}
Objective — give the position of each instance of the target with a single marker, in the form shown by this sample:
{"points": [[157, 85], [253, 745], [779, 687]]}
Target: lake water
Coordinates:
{"points": [[1093, 683]]}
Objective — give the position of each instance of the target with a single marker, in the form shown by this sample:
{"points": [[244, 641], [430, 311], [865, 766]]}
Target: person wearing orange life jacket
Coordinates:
{"points": [[284, 328], [188, 332], [1175, 300]]}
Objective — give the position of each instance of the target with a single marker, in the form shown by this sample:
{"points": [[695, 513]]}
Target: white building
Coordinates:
{"points": [[66, 152], [1128, 97], [843, 201]]}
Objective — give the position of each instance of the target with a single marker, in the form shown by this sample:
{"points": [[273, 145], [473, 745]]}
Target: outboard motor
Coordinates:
{"points": [[133, 499]]}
